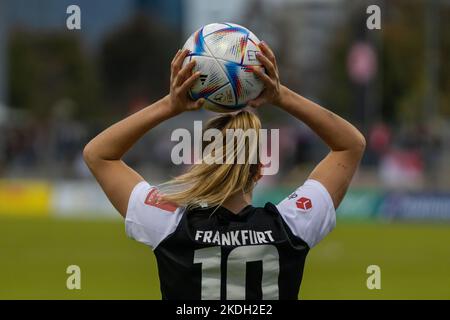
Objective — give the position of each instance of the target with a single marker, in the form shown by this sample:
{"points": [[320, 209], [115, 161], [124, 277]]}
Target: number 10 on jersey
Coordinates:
{"points": [[210, 259]]}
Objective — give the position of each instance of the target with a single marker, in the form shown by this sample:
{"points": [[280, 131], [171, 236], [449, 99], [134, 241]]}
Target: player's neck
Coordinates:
{"points": [[237, 202]]}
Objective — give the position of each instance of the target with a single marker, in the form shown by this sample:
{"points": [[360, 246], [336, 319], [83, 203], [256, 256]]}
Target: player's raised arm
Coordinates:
{"points": [[347, 144], [103, 154]]}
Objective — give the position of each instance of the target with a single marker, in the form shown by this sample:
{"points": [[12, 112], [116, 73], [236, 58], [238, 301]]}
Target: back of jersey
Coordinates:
{"points": [[258, 253]]}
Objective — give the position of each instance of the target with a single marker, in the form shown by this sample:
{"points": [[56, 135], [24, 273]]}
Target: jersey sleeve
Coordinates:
{"points": [[309, 212], [147, 220]]}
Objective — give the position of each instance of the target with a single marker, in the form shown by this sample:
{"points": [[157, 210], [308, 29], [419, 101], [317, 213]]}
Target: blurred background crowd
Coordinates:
{"points": [[60, 87]]}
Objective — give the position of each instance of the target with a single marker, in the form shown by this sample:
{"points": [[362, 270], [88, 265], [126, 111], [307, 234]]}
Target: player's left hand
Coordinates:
{"points": [[271, 79], [181, 80]]}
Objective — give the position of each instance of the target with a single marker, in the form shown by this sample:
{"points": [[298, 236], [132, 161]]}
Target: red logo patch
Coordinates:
{"points": [[304, 203], [153, 199]]}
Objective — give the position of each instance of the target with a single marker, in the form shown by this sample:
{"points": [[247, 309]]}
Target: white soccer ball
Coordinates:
{"points": [[225, 54]]}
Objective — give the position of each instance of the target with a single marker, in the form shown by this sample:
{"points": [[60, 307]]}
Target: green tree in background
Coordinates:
{"points": [[401, 49], [45, 68], [135, 61]]}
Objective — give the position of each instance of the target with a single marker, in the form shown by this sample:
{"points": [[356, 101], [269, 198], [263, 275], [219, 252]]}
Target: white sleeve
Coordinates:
{"points": [[146, 220], [309, 212]]}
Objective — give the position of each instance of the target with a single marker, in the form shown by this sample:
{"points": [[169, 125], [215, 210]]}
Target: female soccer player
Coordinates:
{"points": [[209, 241]]}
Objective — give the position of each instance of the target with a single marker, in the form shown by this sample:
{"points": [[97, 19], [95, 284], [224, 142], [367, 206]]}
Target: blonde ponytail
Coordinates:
{"points": [[213, 183]]}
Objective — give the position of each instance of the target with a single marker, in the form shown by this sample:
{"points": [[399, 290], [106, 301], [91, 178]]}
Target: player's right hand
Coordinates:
{"points": [[181, 80], [271, 79]]}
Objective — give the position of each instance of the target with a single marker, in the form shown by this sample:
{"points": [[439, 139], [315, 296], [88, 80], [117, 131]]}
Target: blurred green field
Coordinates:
{"points": [[35, 252]]}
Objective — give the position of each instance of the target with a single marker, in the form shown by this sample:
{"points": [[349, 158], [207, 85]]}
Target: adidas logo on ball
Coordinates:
{"points": [[203, 78]]}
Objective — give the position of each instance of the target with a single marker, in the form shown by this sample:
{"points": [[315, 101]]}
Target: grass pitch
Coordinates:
{"points": [[35, 253]]}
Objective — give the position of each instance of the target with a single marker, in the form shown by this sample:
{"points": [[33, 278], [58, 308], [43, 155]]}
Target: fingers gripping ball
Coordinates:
{"points": [[225, 55]]}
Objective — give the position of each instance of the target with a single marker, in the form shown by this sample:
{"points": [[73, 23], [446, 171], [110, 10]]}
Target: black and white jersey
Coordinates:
{"points": [[258, 253]]}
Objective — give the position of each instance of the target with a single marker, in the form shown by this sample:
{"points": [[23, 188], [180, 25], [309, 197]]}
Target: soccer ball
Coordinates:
{"points": [[225, 55]]}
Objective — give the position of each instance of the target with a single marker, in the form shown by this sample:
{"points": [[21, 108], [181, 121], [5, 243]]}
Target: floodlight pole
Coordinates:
{"points": [[430, 107], [3, 40]]}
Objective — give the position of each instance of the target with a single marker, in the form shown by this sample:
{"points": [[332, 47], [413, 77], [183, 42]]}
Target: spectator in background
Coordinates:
{"points": [[380, 138], [402, 169]]}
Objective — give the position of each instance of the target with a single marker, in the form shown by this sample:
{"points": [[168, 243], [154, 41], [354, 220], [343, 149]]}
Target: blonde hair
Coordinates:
{"points": [[211, 184]]}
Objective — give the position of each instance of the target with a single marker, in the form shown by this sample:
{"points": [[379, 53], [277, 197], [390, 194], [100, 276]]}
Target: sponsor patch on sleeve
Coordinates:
{"points": [[304, 204], [154, 199]]}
